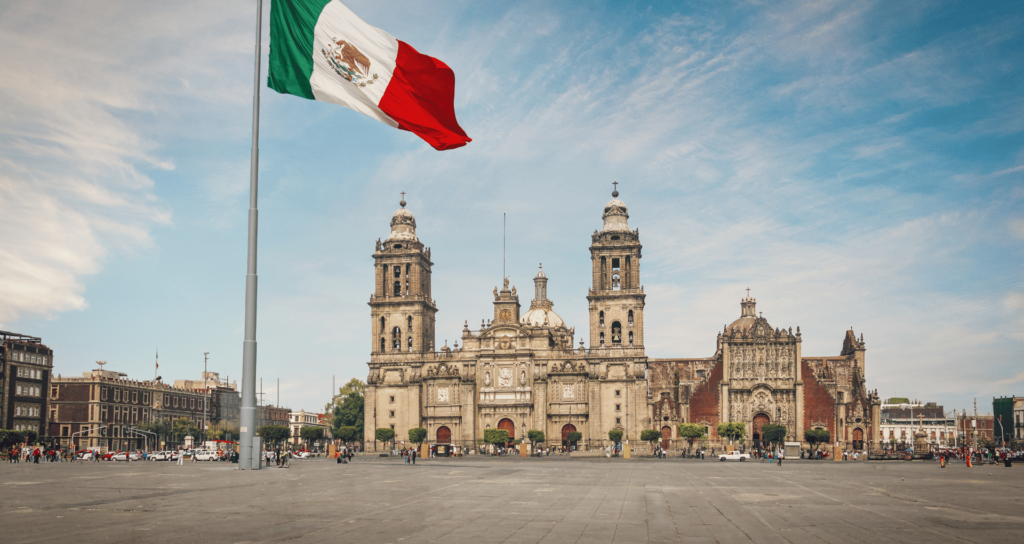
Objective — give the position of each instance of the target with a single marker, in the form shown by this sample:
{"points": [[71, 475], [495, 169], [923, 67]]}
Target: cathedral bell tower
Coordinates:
{"points": [[401, 307], [616, 297]]}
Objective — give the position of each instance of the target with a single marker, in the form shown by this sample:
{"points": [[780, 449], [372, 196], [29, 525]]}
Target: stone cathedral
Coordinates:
{"points": [[521, 371]]}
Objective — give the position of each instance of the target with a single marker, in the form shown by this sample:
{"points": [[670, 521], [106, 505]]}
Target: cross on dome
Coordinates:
{"points": [[615, 191], [402, 202]]}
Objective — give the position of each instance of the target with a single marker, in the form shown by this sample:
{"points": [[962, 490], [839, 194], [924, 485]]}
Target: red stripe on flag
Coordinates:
{"points": [[421, 98]]}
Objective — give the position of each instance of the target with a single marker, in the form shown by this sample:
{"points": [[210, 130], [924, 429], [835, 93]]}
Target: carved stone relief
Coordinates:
{"points": [[505, 377]]}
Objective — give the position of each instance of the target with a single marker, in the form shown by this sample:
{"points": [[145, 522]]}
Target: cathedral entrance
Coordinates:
{"points": [[858, 439], [444, 435], [507, 425], [566, 429], [666, 437], [760, 420]]}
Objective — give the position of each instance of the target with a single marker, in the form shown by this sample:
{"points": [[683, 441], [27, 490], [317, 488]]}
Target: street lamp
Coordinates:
{"points": [[206, 387]]}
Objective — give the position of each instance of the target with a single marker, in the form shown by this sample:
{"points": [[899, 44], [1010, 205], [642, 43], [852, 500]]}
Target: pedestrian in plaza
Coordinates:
{"points": [[36, 455], [181, 458], [412, 455], [782, 455]]}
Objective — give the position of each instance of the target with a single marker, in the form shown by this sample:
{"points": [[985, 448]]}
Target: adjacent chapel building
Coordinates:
{"points": [[521, 370]]}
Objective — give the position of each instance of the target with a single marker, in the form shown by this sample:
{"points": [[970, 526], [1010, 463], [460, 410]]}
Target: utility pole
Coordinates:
{"points": [[206, 395]]}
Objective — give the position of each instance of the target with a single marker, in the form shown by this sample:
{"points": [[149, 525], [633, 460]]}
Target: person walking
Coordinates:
{"points": [[782, 455], [412, 455], [181, 458]]}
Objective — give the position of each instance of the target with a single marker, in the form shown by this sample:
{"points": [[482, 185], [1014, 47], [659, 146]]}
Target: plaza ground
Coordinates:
{"points": [[481, 500]]}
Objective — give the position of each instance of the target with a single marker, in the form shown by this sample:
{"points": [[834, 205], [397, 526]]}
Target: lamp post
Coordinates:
{"points": [[206, 394]]}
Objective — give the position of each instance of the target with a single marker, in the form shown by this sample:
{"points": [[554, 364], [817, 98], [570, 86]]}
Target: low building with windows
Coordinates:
{"points": [[99, 410], [225, 400], [268, 414], [901, 420], [302, 418], [974, 428], [25, 372]]}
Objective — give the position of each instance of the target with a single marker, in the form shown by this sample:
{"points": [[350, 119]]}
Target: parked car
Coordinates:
{"points": [[109, 455], [206, 455], [126, 456], [733, 456], [302, 454], [85, 455]]}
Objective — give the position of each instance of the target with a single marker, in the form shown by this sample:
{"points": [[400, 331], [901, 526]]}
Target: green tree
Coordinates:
{"points": [[818, 436], [773, 434], [651, 436], [182, 427], [733, 430], [574, 437], [348, 411], [7, 438], [347, 434], [311, 434], [615, 435], [417, 435], [536, 437], [384, 435], [691, 432], [274, 434], [497, 437]]}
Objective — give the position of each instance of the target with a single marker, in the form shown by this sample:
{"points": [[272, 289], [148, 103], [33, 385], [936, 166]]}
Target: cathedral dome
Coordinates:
{"points": [[542, 317], [403, 225], [615, 215], [747, 315]]}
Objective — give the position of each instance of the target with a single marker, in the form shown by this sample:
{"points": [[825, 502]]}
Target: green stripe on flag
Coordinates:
{"points": [[291, 45]]}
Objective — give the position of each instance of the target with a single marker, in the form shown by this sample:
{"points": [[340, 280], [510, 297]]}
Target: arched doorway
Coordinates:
{"points": [[760, 420], [507, 425], [566, 429], [858, 439], [666, 437], [444, 435]]}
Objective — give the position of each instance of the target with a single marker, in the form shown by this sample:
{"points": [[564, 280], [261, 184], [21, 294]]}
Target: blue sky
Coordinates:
{"points": [[853, 163]]}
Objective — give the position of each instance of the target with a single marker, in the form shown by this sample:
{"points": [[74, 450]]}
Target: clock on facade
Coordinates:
{"points": [[505, 315]]}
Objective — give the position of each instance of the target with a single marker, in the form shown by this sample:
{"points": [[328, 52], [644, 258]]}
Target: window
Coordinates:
{"points": [[618, 393], [398, 288], [618, 407], [17, 390], [135, 396], [600, 318], [381, 343], [117, 395], [410, 343], [396, 338], [616, 332], [630, 318], [192, 402], [602, 338], [145, 398], [392, 399], [618, 421], [382, 326], [398, 271], [175, 402], [615, 263], [392, 413], [615, 282], [53, 392]]}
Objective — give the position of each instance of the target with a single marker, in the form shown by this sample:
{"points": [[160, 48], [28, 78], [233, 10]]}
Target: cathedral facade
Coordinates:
{"points": [[521, 371]]}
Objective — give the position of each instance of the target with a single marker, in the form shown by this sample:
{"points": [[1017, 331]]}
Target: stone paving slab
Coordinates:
{"points": [[482, 500]]}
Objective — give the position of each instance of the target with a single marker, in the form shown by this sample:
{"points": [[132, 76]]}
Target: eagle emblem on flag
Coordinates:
{"points": [[349, 62]]}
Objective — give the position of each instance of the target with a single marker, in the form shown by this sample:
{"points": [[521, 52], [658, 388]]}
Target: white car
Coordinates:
{"points": [[301, 454], [206, 455], [158, 456], [733, 456], [124, 456]]}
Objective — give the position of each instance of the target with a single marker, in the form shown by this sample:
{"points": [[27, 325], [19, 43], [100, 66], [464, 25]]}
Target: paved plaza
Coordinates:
{"points": [[481, 500]]}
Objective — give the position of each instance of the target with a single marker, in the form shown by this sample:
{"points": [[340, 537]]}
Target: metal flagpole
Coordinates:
{"points": [[248, 414]]}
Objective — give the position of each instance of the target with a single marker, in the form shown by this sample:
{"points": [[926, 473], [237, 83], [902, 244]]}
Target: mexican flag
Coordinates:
{"points": [[320, 50]]}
